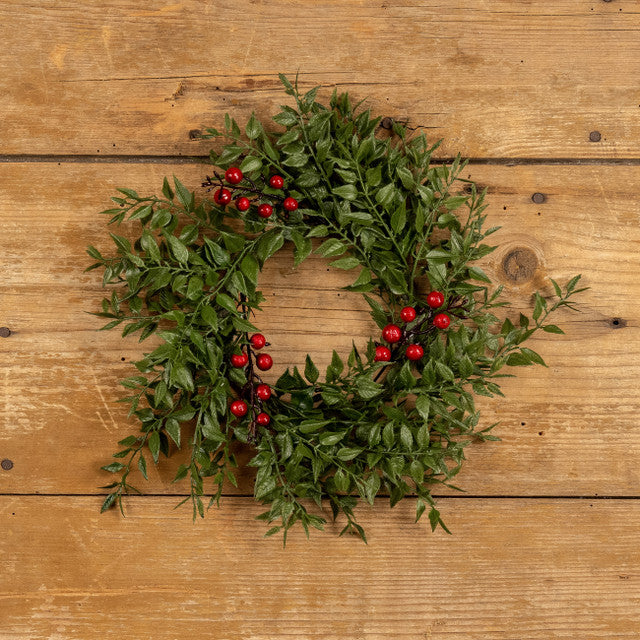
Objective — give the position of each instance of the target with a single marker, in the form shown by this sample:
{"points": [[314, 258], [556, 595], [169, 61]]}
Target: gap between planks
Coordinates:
{"points": [[435, 496], [201, 159]]}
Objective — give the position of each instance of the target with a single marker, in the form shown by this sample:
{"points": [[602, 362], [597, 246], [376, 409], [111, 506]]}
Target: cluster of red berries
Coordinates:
{"points": [[393, 333], [264, 362], [234, 176]]}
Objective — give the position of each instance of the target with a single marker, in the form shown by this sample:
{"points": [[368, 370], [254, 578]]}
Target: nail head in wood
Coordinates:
{"points": [[5, 332], [538, 198], [387, 123], [595, 136], [6, 464]]}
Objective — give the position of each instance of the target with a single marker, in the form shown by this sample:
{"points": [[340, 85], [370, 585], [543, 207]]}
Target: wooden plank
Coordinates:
{"points": [[567, 430], [513, 569], [494, 78]]}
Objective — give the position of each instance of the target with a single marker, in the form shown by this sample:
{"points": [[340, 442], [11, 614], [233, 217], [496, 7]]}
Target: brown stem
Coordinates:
{"points": [[254, 189]]}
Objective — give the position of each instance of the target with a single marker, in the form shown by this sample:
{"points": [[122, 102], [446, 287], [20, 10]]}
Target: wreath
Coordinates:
{"points": [[394, 418]]}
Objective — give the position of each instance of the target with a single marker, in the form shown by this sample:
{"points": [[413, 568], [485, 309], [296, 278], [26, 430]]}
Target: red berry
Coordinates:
{"points": [[263, 419], [383, 354], [239, 408], [290, 204], [408, 314], [414, 352], [265, 210], [222, 196], [264, 361], [263, 391], [233, 175], [239, 360], [442, 321], [258, 341], [276, 182], [243, 203], [435, 299], [391, 333]]}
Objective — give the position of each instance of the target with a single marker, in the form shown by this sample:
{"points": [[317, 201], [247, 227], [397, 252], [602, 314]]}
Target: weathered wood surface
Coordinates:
{"points": [[514, 569], [495, 78], [567, 430], [498, 80]]}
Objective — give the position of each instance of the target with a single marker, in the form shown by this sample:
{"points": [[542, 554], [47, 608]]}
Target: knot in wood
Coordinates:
{"points": [[387, 123], [5, 332], [520, 264]]}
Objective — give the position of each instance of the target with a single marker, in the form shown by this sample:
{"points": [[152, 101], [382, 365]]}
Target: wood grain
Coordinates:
{"points": [[495, 78], [567, 430], [514, 569]]}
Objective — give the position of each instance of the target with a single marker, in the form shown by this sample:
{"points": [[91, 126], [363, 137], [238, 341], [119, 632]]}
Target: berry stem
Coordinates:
{"points": [[210, 184]]}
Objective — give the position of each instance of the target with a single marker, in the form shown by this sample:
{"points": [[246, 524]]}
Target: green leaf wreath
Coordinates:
{"points": [[394, 418]]}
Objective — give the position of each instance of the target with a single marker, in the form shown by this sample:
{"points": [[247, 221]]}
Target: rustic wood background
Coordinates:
{"points": [[543, 97]]}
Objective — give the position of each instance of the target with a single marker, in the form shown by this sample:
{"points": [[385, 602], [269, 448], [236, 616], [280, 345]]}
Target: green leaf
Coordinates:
{"points": [[209, 316], [367, 388], [346, 191], [345, 263], [318, 232], [455, 202], [226, 302], [406, 439], [331, 247], [311, 372], [308, 179], [571, 285], [539, 306], [348, 453], [478, 274], [250, 164], [309, 426], [269, 243], [124, 246], [114, 467], [185, 196], [302, 247], [142, 466], [444, 372], [533, 356], [253, 128], [148, 243], [386, 195], [195, 288], [178, 249], [423, 405], [167, 190], [249, 267], [242, 325], [329, 439], [154, 445], [181, 375], [398, 219], [341, 480], [172, 427], [551, 328], [518, 359], [388, 435], [108, 501], [374, 176]]}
